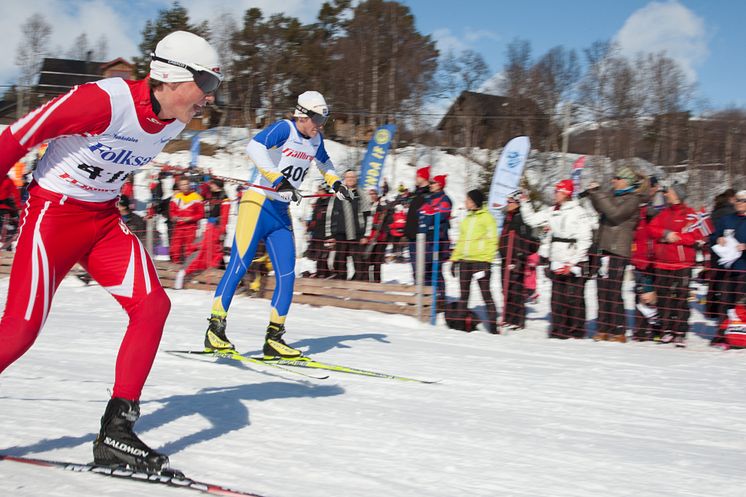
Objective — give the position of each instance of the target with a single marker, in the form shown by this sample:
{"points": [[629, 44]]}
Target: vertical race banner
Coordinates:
{"points": [[508, 171], [577, 170], [371, 171], [194, 149]]}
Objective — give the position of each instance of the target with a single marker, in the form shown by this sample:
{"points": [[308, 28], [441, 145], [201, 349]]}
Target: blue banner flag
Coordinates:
{"points": [[508, 171], [194, 150], [371, 171]]}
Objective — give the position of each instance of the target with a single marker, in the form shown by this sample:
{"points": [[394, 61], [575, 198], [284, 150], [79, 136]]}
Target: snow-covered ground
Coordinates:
{"points": [[515, 415]]}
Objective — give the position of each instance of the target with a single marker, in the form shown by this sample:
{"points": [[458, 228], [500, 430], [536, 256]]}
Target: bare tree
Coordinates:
{"points": [[517, 69], [224, 29], [101, 49], [553, 80], [31, 50], [665, 83], [79, 48], [594, 86], [669, 93]]}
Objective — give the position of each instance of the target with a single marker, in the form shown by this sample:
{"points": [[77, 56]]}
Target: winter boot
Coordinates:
{"points": [[275, 347], [117, 444], [215, 339]]}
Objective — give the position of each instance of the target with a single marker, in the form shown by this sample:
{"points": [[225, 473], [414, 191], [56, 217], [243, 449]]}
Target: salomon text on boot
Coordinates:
{"points": [[215, 338], [275, 347], [117, 444]]}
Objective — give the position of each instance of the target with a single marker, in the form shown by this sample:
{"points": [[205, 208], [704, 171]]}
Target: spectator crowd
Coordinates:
{"points": [[635, 230]]}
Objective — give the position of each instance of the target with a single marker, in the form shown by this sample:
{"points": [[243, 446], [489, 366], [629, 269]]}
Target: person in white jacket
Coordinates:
{"points": [[566, 246]]}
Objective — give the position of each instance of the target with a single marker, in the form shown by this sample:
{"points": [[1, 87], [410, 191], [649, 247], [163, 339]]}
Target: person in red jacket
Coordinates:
{"points": [[674, 256], [207, 251], [186, 210], [99, 133]]}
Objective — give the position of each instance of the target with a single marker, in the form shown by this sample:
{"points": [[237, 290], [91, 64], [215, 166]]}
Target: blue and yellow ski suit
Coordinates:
{"points": [[277, 151]]}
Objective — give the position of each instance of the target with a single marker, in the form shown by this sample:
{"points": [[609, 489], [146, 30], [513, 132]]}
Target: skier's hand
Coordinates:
{"points": [[341, 191], [287, 191]]}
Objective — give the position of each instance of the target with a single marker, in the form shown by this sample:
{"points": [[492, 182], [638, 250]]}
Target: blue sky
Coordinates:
{"points": [[706, 37]]}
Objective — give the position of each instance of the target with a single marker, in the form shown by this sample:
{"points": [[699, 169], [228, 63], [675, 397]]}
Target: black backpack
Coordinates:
{"points": [[460, 320]]}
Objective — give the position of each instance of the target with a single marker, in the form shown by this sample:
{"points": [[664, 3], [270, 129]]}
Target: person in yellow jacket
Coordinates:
{"points": [[472, 258]]}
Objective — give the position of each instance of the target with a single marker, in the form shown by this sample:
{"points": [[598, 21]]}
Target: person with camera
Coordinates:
{"points": [[619, 213], [569, 237]]}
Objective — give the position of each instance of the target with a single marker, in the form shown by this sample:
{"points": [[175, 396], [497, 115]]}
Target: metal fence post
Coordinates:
{"points": [[435, 269], [420, 273]]}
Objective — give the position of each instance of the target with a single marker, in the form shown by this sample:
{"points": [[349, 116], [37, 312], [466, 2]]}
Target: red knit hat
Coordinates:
{"points": [[424, 173], [565, 186], [440, 179]]}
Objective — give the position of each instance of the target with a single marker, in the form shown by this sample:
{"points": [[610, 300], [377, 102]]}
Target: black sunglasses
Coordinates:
{"points": [[206, 80], [315, 117]]}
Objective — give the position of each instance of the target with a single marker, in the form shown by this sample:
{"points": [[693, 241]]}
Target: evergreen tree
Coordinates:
{"points": [[169, 20]]}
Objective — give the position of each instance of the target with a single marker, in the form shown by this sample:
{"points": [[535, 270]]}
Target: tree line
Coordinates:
{"points": [[373, 66]]}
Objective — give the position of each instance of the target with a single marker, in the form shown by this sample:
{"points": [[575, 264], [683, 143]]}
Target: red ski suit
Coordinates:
{"points": [[186, 210], [98, 133], [207, 251]]}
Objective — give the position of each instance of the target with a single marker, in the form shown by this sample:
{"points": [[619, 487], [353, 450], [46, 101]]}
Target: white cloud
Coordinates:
{"points": [[121, 22], [474, 35], [68, 20], [446, 41], [669, 27]]}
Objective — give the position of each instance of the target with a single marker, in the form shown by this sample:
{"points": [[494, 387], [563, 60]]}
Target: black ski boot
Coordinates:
{"points": [[215, 338], [275, 347], [117, 444]]}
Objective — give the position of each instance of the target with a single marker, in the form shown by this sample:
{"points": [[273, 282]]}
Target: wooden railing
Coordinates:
{"points": [[389, 298]]}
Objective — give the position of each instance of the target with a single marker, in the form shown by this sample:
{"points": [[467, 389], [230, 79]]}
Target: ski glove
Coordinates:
{"points": [[287, 191], [341, 191]]}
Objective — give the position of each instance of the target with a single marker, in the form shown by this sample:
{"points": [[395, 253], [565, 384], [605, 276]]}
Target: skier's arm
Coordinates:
{"points": [[326, 166], [258, 150], [85, 109]]}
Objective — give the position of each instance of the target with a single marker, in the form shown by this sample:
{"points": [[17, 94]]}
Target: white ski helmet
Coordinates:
{"points": [[312, 104], [180, 55]]}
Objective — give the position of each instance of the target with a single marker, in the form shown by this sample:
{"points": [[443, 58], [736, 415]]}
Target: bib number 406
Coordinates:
{"points": [[297, 174]]}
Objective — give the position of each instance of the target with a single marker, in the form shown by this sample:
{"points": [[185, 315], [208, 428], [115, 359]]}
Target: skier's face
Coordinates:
{"points": [[182, 101], [307, 127]]}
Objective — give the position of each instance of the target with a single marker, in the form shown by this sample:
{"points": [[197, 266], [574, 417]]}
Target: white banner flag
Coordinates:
{"points": [[508, 171]]}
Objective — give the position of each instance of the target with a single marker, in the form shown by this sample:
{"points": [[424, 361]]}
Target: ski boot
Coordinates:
{"points": [[117, 444], [215, 338], [275, 347]]}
